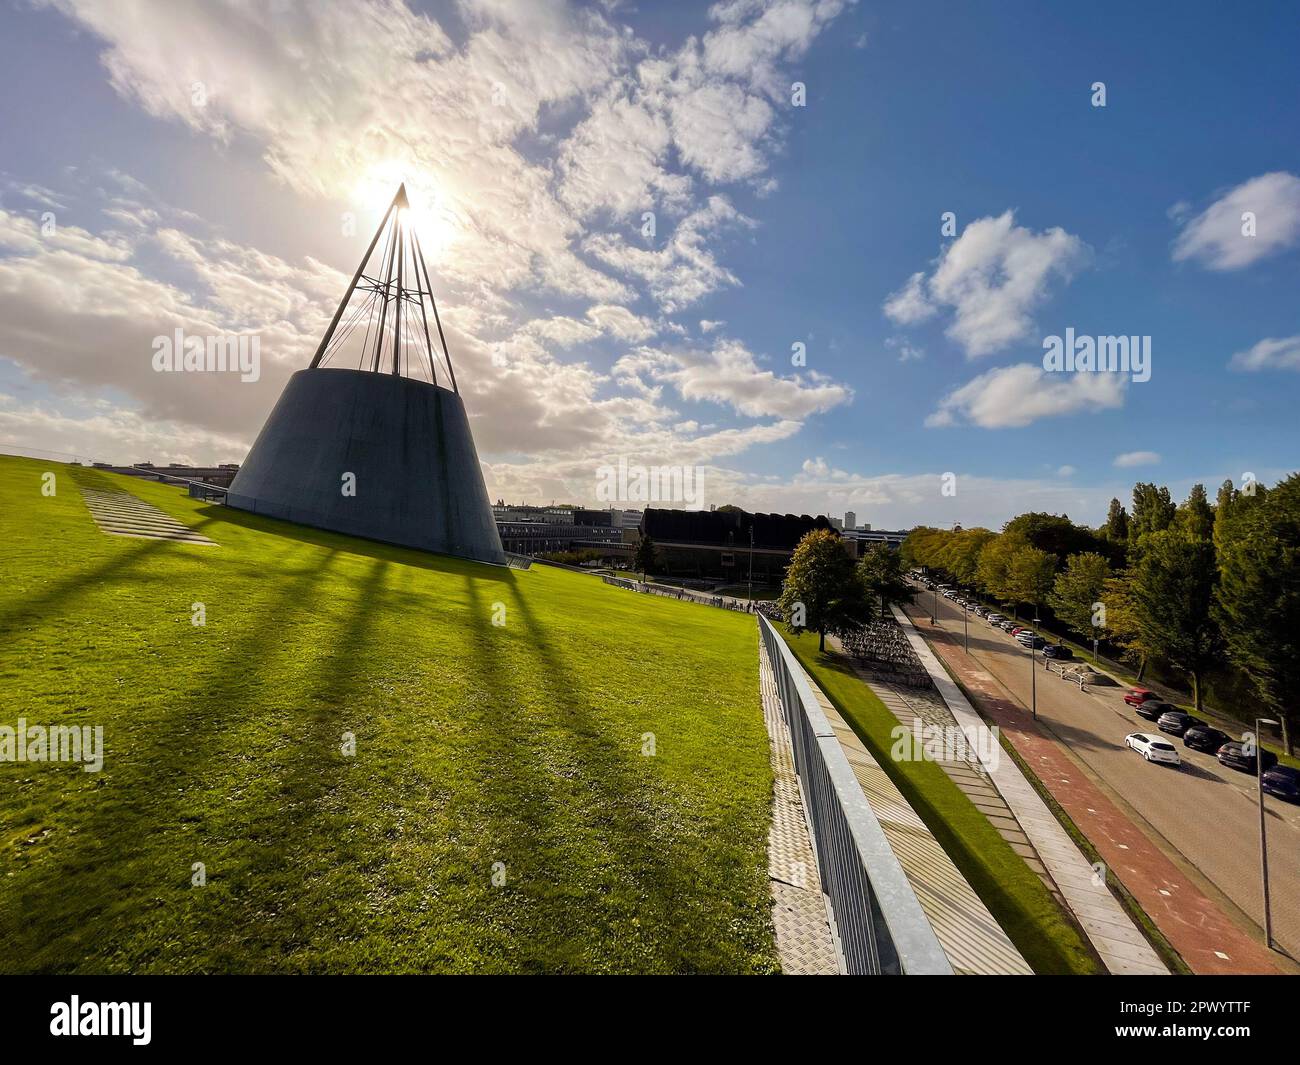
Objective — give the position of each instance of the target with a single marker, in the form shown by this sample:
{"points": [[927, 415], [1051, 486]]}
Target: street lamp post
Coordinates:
{"points": [[1033, 668], [1263, 839], [934, 607], [965, 624], [751, 564]]}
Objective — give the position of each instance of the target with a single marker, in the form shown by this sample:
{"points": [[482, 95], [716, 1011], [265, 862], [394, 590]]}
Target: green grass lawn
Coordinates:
{"points": [[476, 744], [1041, 930]]}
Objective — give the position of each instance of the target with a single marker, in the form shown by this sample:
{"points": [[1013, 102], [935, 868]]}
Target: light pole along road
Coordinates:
{"points": [[1206, 812]]}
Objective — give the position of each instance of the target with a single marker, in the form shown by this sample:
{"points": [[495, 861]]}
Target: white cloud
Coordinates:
{"points": [[685, 269], [729, 374], [719, 128], [516, 201], [1136, 458], [992, 277], [1271, 353], [109, 433], [1214, 238], [621, 323], [1015, 396], [1066, 471], [909, 304], [901, 500], [907, 351]]}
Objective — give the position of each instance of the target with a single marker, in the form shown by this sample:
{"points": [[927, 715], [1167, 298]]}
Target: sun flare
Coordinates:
{"points": [[428, 214]]}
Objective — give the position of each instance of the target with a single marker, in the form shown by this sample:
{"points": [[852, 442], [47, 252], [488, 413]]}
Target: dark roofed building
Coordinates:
{"points": [[715, 543]]}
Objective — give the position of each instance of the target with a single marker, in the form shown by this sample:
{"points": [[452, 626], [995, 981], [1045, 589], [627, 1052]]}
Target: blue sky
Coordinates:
{"points": [[538, 136]]}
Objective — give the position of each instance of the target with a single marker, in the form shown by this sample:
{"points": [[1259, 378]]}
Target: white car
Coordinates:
{"points": [[1152, 747]]}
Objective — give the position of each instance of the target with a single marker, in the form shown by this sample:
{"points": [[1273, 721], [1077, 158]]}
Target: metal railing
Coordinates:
{"points": [[686, 594], [881, 926], [211, 492]]}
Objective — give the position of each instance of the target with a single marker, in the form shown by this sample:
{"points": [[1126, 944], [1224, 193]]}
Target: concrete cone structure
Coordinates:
{"points": [[375, 451]]}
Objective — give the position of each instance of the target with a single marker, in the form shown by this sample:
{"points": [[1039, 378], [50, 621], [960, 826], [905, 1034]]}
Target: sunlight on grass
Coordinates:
{"points": [[476, 744]]}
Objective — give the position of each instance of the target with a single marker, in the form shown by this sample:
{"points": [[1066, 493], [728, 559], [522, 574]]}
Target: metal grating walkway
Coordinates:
{"points": [[803, 934], [122, 514]]}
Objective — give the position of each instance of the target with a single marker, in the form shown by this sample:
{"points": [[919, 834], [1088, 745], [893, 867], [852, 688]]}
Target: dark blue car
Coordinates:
{"points": [[1282, 781]]}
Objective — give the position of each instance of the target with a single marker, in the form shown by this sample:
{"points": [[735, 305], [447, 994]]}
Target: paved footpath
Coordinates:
{"points": [[1206, 938], [1120, 943]]}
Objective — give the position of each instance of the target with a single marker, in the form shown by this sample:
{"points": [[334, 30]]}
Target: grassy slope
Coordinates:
{"points": [[1039, 928], [476, 744]]}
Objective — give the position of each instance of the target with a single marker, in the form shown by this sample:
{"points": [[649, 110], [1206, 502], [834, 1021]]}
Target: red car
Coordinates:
{"points": [[1016, 628], [1138, 696]]}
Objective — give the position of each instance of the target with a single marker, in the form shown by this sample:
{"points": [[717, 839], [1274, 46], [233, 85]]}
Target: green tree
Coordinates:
{"points": [[1196, 516], [1258, 600], [994, 567], [921, 546], [1121, 620], [643, 559], [1173, 592], [1116, 527], [1078, 587], [1153, 511], [881, 571], [822, 591], [1054, 533], [1030, 575], [960, 558]]}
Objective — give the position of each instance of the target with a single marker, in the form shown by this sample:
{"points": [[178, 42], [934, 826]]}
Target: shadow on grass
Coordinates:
{"points": [[585, 817], [665, 876], [356, 545], [86, 890], [67, 589]]}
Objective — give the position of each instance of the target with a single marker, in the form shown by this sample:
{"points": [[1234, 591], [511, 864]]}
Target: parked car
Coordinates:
{"points": [[979, 612], [1153, 748], [1234, 756], [1205, 738], [1011, 627], [1154, 709], [1028, 638], [1282, 781], [1175, 722], [1134, 696], [1057, 650], [994, 618]]}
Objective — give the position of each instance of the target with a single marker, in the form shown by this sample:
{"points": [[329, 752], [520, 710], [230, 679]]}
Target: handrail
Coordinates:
{"points": [[881, 925]]}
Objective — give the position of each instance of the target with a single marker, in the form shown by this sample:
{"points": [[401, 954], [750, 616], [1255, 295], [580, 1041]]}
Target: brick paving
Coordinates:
{"points": [[1202, 933], [1120, 943]]}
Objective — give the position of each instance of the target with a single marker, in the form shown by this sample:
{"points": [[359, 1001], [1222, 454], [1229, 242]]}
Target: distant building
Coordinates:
{"points": [[716, 544], [625, 519], [865, 537], [529, 530], [850, 520], [177, 473]]}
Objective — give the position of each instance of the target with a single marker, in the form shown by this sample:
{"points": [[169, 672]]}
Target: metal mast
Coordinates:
{"points": [[378, 299]]}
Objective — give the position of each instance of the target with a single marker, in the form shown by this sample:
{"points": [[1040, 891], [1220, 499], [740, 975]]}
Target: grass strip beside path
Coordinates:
{"points": [[1038, 926]]}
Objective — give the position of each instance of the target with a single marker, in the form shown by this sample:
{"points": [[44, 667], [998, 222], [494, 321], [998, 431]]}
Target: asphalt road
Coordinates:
{"points": [[1203, 810]]}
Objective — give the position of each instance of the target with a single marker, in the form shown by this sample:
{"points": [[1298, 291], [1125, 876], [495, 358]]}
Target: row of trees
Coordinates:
{"points": [[827, 591], [1185, 585]]}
